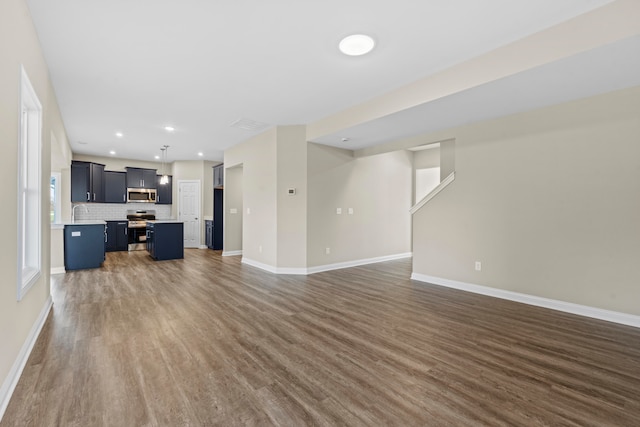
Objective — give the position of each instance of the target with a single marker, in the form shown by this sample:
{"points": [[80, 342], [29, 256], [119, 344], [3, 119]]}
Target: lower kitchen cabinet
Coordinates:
{"points": [[208, 233], [117, 236], [84, 246], [165, 239]]}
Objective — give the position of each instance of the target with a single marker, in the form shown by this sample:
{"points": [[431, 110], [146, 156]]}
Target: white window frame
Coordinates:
{"points": [[29, 188], [57, 202]]}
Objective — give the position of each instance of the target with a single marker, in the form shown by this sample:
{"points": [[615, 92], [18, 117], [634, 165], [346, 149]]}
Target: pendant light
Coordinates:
{"points": [[165, 178]]}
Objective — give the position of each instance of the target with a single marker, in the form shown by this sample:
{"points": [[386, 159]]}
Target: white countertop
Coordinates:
{"points": [[86, 222], [165, 221]]}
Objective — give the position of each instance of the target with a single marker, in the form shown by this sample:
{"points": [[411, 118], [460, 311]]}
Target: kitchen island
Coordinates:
{"points": [[165, 239], [84, 244]]}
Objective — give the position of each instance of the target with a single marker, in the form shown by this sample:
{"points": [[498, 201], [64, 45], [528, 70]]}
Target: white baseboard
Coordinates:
{"points": [[260, 265], [321, 268], [10, 382], [203, 247], [356, 263], [231, 253], [567, 307], [58, 270]]}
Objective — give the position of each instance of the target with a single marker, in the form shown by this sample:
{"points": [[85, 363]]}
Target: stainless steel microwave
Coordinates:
{"points": [[141, 195]]}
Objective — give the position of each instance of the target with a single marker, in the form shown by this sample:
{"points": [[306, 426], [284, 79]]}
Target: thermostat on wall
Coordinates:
{"points": [[291, 191]]}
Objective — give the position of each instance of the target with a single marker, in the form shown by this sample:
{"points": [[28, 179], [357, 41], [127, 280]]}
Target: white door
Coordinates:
{"points": [[189, 211]]}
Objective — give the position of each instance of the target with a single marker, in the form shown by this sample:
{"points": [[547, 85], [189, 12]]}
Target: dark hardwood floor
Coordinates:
{"points": [[209, 341]]}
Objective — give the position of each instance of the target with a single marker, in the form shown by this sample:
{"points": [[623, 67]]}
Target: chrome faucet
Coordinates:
{"points": [[73, 212]]}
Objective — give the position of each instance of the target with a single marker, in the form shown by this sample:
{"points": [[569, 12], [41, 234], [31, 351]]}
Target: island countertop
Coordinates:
{"points": [[165, 221], [86, 222]]}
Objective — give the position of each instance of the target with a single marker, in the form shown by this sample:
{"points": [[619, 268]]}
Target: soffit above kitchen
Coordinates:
{"points": [[135, 67]]}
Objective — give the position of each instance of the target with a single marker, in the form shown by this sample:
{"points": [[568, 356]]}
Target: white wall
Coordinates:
{"points": [[547, 200]]}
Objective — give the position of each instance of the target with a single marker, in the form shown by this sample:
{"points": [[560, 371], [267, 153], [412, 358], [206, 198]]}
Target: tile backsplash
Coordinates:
{"points": [[118, 211]]}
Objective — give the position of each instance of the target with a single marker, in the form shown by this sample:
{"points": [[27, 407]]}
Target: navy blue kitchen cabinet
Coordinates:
{"points": [[208, 233], [141, 178], [164, 195], [84, 246], [218, 211], [115, 187], [165, 240], [87, 182], [117, 236]]}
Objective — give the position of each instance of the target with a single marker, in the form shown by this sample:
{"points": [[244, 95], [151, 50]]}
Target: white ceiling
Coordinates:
{"points": [[135, 66]]}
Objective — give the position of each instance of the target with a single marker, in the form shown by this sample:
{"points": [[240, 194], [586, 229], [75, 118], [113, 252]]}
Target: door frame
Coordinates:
{"points": [[199, 218]]}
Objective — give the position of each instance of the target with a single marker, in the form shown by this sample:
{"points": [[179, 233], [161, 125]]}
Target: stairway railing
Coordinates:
{"points": [[448, 180]]}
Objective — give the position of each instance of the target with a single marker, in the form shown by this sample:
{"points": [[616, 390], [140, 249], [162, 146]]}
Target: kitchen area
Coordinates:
{"points": [[135, 217], [126, 210]]}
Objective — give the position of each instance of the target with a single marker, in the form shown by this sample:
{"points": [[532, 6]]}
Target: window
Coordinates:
{"points": [[29, 191], [54, 198]]}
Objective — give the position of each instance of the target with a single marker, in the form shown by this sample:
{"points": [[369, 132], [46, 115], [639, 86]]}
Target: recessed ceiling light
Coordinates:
{"points": [[119, 134], [157, 157], [169, 128], [200, 153], [113, 153], [356, 44]]}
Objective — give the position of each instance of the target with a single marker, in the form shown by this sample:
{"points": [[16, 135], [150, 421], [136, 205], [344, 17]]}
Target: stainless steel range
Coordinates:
{"points": [[138, 227]]}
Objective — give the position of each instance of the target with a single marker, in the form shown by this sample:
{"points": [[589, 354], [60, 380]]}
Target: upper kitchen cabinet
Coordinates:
{"points": [[115, 187], [218, 176], [164, 195], [87, 182], [141, 178]]}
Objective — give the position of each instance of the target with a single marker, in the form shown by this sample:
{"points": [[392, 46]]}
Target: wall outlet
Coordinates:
{"points": [[260, 248], [338, 211], [478, 266], [350, 211], [248, 211], [233, 211], [291, 191], [327, 251]]}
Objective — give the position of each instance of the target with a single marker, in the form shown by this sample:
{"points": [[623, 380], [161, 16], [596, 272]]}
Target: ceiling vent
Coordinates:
{"points": [[248, 124]]}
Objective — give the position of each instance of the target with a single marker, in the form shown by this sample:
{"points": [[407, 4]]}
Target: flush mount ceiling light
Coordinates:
{"points": [[113, 153], [119, 134], [356, 44], [169, 128], [200, 153]]}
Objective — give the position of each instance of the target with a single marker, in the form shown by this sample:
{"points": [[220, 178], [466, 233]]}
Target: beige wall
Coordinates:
{"points": [[292, 209], [118, 164], [19, 45], [293, 231], [547, 200], [232, 231], [259, 227], [378, 188]]}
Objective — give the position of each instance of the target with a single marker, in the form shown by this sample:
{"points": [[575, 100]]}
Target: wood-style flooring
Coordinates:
{"points": [[208, 341]]}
